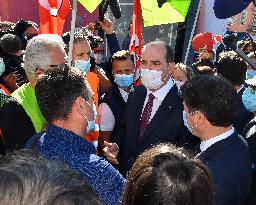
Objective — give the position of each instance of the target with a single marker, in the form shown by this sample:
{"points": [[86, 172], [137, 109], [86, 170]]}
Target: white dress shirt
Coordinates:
{"points": [[106, 116], [204, 145], [159, 97]]}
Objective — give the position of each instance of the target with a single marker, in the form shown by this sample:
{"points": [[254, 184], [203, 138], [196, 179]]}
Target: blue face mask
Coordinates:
{"points": [[91, 123], [83, 65], [2, 67], [185, 121], [249, 100], [123, 81], [250, 74]]}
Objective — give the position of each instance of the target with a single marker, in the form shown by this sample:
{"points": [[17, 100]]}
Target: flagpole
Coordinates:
{"points": [[72, 31], [193, 31]]}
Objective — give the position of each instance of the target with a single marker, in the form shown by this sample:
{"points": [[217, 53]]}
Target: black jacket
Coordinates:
{"points": [[165, 126]]}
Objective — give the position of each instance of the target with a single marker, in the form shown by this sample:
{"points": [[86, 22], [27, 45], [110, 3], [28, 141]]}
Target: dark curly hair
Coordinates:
{"points": [[232, 67]]}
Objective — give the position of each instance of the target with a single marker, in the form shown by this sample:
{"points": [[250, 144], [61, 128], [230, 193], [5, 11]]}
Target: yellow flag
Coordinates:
{"points": [[90, 5], [169, 12]]}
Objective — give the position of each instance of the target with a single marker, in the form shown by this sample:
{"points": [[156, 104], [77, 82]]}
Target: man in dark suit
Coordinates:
{"points": [[153, 112], [233, 68], [210, 107]]}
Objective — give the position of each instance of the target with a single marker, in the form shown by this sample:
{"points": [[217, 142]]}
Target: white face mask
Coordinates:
{"points": [[151, 79], [98, 58]]}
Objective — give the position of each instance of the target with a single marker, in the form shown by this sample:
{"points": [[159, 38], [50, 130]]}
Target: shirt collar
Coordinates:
{"points": [[204, 145], [242, 86], [162, 92], [124, 94]]}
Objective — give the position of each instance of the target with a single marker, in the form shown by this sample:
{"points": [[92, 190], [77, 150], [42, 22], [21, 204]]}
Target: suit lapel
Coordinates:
{"points": [[165, 109], [137, 102]]}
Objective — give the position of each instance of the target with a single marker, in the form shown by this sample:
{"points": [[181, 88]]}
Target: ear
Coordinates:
{"points": [[200, 118], [171, 67], [79, 103], [39, 71]]}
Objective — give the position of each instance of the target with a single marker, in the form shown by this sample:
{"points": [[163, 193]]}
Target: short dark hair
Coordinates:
{"points": [[10, 43], [232, 67], [27, 178], [57, 89], [165, 175], [214, 96], [122, 55]]}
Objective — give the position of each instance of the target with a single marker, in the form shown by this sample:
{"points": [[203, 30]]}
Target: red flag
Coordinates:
{"points": [[52, 15], [217, 39], [136, 34]]}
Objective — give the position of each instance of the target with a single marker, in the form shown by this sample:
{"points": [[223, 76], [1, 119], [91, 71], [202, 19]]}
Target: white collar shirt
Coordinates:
{"points": [[124, 94], [159, 97], [204, 145]]}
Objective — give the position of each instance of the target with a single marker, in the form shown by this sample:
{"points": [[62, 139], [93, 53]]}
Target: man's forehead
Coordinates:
{"points": [[82, 45], [153, 51], [122, 64]]}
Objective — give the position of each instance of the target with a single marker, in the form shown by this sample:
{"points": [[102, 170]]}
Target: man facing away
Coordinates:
{"points": [[66, 101], [20, 117], [210, 107]]}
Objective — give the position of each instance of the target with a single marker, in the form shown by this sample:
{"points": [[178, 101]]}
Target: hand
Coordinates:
{"points": [[111, 151], [90, 27], [107, 26]]}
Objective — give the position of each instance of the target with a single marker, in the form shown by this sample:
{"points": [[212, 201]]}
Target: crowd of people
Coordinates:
{"points": [[95, 133]]}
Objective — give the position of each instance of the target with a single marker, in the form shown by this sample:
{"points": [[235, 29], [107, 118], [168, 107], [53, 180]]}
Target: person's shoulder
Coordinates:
{"points": [[234, 146], [11, 105], [137, 90], [241, 143]]}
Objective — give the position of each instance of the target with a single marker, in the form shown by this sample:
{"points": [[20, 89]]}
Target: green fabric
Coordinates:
{"points": [[90, 5], [172, 11], [181, 6], [25, 95]]}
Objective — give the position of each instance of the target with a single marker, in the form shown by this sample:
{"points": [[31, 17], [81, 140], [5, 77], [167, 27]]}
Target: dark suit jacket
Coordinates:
{"points": [[165, 126], [229, 163], [243, 116]]}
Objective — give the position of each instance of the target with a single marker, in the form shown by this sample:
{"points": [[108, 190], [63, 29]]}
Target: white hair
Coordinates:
{"points": [[37, 52]]}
